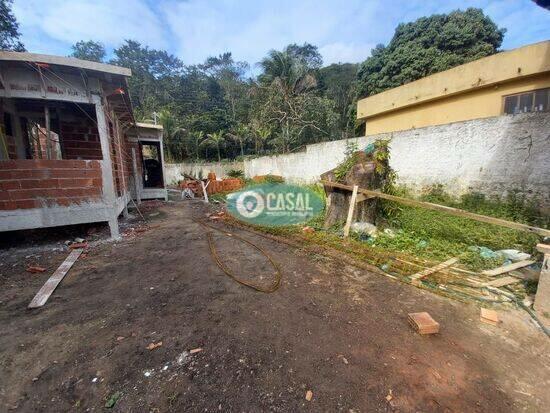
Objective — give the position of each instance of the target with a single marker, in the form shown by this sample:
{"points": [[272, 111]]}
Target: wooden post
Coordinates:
{"points": [[123, 178], [351, 209], [136, 181], [542, 298], [204, 192]]}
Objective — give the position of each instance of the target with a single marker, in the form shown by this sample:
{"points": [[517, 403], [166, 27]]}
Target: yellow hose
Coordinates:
{"points": [[228, 272]]}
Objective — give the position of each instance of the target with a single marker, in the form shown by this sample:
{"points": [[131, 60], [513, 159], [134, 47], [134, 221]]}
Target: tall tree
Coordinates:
{"points": [[338, 83], [155, 76], [89, 50], [429, 45], [216, 140], [9, 28]]}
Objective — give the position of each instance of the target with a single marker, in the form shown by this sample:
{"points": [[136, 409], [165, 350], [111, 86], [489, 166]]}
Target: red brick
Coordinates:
{"points": [[7, 185], [27, 204], [7, 205], [8, 165], [38, 183]]}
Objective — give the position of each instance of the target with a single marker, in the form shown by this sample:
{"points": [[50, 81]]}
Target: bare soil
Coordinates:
{"points": [[335, 330]]}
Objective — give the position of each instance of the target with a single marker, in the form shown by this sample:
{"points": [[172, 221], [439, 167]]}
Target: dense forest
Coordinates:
{"points": [[227, 109]]}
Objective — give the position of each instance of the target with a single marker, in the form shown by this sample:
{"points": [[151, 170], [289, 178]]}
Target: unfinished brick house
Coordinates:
{"points": [[70, 150]]}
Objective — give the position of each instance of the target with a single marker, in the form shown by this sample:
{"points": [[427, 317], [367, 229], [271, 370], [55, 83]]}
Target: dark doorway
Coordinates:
{"points": [[152, 165]]}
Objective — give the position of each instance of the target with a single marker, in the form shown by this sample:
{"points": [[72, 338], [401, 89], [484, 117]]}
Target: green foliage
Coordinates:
{"points": [[235, 173], [350, 160], [439, 236], [9, 28], [88, 50], [429, 45]]}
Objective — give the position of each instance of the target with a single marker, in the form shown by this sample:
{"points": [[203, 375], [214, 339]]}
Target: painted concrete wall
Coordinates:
{"points": [[451, 92], [481, 103], [174, 172], [492, 155]]}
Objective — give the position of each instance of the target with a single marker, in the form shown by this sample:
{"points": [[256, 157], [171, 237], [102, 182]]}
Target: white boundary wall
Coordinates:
{"points": [[174, 171], [492, 155]]}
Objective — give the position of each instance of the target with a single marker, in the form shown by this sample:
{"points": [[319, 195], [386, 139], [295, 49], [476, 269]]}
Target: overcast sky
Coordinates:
{"points": [[344, 31]]}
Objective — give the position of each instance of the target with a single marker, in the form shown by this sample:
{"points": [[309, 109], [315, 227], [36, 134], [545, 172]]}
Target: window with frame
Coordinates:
{"points": [[532, 101]]}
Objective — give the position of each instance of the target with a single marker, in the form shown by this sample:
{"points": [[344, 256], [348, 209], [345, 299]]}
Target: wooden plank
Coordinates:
{"points": [[416, 277], [442, 208], [48, 288], [501, 282], [544, 248], [350, 211], [507, 268]]}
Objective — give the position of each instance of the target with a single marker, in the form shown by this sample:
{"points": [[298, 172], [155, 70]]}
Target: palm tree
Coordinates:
{"points": [[171, 132], [215, 139], [240, 135], [262, 135], [286, 72], [195, 139]]}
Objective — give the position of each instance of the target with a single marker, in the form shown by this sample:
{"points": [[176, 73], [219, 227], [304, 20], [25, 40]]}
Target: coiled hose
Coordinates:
{"points": [[278, 275]]}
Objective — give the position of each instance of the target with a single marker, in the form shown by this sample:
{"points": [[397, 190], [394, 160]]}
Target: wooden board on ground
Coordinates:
{"points": [[501, 282], [48, 288], [507, 268], [424, 273]]}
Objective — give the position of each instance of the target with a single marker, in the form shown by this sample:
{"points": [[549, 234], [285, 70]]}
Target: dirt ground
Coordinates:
{"points": [[333, 329]]}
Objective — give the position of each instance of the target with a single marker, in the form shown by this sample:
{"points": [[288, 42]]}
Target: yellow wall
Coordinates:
{"points": [[481, 103], [470, 91]]}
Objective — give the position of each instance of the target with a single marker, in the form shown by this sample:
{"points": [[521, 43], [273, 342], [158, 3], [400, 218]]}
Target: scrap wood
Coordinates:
{"points": [[489, 316], [48, 288], [508, 268], [501, 282], [416, 277]]}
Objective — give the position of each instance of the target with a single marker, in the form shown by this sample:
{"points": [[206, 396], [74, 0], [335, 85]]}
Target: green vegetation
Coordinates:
{"points": [[436, 235], [426, 46], [219, 110]]}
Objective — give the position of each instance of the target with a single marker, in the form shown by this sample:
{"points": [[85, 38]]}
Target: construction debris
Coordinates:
{"points": [[501, 282], [48, 288], [508, 268], [153, 346], [35, 269], [415, 278], [78, 245], [195, 350], [309, 395], [423, 323], [489, 316]]}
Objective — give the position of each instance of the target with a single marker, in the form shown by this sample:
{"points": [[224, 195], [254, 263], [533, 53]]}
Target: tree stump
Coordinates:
{"points": [[363, 174]]}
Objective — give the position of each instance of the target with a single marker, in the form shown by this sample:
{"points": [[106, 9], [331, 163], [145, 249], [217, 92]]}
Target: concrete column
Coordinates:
{"points": [[109, 195], [162, 164], [542, 299]]}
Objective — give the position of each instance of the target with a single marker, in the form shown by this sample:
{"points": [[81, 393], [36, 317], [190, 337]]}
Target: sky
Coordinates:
{"points": [[344, 31]]}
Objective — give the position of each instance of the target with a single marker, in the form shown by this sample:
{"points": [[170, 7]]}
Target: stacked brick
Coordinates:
{"points": [[37, 183], [80, 139]]}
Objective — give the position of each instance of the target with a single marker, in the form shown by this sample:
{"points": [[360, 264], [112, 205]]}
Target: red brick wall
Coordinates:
{"points": [[35, 183], [80, 139]]}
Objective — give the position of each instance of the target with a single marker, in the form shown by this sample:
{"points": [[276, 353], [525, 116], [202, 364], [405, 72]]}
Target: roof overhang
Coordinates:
{"points": [[64, 61]]}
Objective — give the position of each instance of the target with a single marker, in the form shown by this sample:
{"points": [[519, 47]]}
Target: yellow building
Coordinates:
{"points": [[510, 82]]}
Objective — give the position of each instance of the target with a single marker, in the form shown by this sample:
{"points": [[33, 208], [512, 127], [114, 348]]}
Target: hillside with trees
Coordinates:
{"points": [[227, 109]]}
